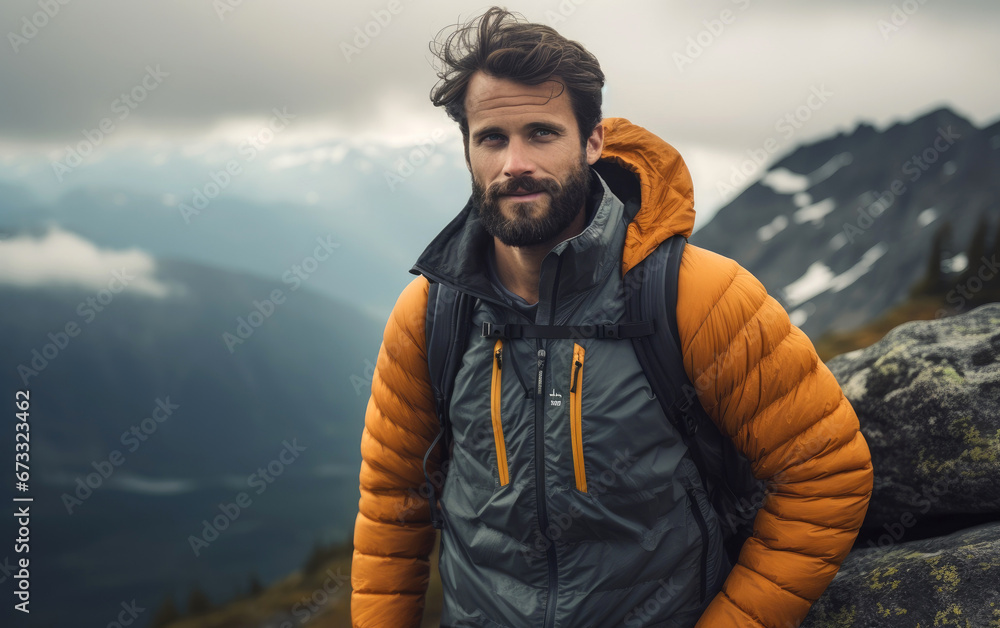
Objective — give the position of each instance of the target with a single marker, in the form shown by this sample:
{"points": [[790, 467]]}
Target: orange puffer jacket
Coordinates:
{"points": [[757, 376]]}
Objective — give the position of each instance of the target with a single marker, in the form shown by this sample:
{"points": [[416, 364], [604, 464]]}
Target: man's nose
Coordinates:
{"points": [[519, 160]]}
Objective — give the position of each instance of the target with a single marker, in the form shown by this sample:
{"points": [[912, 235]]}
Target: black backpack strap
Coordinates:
{"points": [[651, 294], [726, 474], [607, 330], [447, 326]]}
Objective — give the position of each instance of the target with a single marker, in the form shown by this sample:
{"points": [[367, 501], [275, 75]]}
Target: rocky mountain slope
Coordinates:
{"points": [[840, 230]]}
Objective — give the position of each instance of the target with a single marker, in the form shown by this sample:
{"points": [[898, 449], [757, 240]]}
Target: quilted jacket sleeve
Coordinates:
{"points": [[760, 379], [393, 537]]}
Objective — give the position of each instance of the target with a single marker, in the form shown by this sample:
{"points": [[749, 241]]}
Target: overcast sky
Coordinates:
{"points": [[714, 96]]}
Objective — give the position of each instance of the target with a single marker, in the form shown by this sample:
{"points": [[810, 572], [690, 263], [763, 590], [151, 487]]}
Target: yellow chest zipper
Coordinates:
{"points": [[576, 416], [495, 413]]}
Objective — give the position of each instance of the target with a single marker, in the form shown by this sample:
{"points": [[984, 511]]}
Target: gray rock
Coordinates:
{"points": [[928, 399], [945, 581]]}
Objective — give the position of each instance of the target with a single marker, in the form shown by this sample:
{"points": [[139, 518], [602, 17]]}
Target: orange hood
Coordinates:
{"points": [[664, 182]]}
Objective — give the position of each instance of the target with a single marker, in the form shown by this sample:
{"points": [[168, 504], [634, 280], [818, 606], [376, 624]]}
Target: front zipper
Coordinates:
{"points": [[543, 516], [699, 519], [495, 413], [576, 417]]}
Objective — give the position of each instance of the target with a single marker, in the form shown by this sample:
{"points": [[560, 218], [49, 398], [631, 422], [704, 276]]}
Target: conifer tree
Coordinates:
{"points": [[255, 587], [932, 281], [166, 614], [198, 602], [977, 248], [996, 239]]}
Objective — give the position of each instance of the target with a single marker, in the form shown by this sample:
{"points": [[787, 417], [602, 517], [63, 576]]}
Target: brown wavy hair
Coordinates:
{"points": [[500, 45]]}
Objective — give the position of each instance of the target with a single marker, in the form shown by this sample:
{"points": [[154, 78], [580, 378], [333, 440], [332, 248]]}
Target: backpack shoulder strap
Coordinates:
{"points": [[726, 474], [651, 294], [449, 314]]}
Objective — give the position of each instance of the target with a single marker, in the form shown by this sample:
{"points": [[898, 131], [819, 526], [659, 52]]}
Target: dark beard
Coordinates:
{"points": [[565, 202]]}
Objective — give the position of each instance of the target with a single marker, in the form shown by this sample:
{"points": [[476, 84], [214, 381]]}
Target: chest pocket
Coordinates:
{"points": [[618, 473], [495, 397], [576, 417]]}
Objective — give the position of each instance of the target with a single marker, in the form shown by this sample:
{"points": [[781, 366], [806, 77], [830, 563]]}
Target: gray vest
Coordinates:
{"points": [[569, 499]]}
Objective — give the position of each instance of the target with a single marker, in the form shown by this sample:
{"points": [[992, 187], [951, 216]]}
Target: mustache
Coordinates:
{"points": [[526, 184]]}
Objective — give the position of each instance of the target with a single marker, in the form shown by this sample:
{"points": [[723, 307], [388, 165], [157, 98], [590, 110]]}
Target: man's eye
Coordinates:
{"points": [[489, 139]]}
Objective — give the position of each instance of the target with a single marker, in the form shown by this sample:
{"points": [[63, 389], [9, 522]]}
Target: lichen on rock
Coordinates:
{"points": [[943, 581], [928, 399]]}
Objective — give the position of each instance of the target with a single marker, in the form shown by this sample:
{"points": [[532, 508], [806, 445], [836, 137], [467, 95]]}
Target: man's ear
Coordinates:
{"points": [[595, 144]]}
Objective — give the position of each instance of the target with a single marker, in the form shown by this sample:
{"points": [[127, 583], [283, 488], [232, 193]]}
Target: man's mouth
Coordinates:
{"points": [[523, 193]]}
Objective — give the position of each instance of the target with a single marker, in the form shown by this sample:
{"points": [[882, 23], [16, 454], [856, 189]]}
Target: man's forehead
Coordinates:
{"points": [[489, 95]]}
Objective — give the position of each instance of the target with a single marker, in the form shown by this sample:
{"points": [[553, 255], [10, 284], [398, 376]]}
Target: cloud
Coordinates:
{"points": [[226, 71], [67, 77], [62, 258]]}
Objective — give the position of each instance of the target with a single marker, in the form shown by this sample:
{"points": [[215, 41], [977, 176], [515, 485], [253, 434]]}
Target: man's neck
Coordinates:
{"points": [[520, 267]]}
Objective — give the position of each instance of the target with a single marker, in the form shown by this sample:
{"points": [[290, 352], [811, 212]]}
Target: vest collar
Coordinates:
{"points": [[456, 257]]}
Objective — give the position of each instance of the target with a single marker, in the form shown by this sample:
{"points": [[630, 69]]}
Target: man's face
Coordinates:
{"points": [[529, 171]]}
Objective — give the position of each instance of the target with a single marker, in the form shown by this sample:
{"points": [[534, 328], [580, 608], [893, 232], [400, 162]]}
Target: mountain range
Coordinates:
{"points": [[147, 422], [840, 230]]}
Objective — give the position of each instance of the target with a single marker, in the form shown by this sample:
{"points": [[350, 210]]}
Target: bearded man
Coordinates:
{"points": [[570, 499]]}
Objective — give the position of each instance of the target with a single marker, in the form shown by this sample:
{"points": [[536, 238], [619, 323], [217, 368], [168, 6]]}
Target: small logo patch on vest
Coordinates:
{"points": [[555, 399]]}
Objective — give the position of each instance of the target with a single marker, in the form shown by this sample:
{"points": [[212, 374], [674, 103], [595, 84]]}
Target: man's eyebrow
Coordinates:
{"points": [[527, 127]]}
